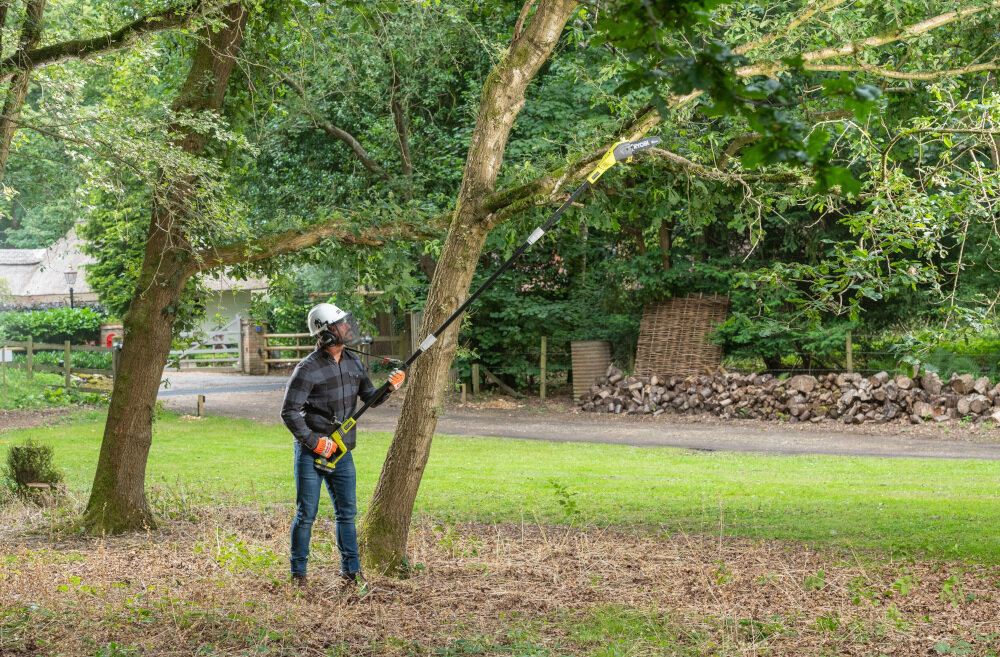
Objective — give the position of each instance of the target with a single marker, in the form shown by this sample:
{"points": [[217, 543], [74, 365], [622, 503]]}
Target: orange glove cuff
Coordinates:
{"points": [[325, 447]]}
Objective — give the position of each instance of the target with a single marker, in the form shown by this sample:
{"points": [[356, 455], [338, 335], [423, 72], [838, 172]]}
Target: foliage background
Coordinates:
{"points": [[763, 211]]}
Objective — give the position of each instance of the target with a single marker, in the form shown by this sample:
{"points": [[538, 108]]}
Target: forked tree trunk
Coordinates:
{"points": [[118, 498], [387, 522]]}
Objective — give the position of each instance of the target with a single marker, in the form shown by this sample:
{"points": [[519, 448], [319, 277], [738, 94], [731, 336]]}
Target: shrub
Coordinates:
{"points": [[946, 362], [31, 462], [78, 325]]}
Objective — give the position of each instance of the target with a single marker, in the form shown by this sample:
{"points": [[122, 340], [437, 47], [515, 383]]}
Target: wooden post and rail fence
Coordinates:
{"points": [[30, 347], [306, 343], [479, 372], [275, 343], [273, 346]]}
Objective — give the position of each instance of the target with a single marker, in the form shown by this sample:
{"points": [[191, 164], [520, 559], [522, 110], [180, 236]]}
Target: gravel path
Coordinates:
{"points": [[259, 399]]}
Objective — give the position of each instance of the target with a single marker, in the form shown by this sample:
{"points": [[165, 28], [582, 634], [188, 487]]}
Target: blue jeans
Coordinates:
{"points": [[341, 485]]}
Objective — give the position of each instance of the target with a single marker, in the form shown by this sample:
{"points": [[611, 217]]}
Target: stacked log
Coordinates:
{"points": [[848, 398]]}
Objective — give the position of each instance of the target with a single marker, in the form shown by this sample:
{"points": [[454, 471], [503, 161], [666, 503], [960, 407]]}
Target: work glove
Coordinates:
{"points": [[325, 447], [396, 379]]}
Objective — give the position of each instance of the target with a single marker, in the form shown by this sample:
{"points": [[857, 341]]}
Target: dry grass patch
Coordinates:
{"points": [[217, 586]]}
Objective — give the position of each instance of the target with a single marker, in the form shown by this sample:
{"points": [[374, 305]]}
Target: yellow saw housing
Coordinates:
{"points": [[338, 437]]}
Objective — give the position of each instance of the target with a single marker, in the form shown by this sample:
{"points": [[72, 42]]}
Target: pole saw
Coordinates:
{"points": [[620, 152]]}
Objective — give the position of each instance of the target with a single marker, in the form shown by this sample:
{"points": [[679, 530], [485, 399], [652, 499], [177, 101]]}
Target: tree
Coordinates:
{"points": [[386, 525], [182, 241], [118, 498]]}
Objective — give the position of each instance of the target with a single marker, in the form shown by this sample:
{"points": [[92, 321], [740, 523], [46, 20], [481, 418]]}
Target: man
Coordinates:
{"points": [[321, 394]]}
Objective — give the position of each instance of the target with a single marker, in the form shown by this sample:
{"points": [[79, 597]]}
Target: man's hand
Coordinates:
{"points": [[396, 379], [325, 447]]}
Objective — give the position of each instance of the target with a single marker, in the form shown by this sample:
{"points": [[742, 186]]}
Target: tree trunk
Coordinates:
{"points": [[635, 230], [31, 33], [118, 498], [386, 525], [427, 264], [666, 227]]}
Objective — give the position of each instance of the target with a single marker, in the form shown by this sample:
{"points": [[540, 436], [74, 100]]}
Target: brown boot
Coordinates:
{"points": [[299, 580]]}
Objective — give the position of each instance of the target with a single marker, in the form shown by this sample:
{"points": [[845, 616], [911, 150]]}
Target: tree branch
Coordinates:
{"points": [[337, 133], [3, 20], [829, 116], [399, 120], [396, 108], [519, 25], [905, 75], [501, 206], [290, 241], [108, 154], [735, 146], [681, 163], [547, 188], [898, 34], [83, 48], [953, 131], [31, 33]]}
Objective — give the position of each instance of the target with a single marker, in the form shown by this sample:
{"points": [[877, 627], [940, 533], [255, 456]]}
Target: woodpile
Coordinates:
{"points": [[848, 398]]}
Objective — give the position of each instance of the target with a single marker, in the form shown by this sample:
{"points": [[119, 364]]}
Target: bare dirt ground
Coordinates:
{"points": [[33, 417], [217, 585]]}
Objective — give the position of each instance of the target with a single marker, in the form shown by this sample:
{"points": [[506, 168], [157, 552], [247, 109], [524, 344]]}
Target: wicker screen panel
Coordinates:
{"points": [[673, 336]]}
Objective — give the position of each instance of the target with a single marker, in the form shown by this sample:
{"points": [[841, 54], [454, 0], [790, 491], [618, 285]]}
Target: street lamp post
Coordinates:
{"points": [[70, 279]]}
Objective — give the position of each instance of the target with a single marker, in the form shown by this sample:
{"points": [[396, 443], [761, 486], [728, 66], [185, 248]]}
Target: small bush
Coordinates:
{"points": [[31, 462], [946, 363]]}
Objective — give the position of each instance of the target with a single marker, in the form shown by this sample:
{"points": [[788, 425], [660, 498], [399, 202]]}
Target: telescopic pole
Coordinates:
{"points": [[620, 152]]}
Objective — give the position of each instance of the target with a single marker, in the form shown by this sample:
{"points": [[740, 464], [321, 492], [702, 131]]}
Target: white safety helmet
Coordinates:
{"points": [[322, 316], [333, 326]]}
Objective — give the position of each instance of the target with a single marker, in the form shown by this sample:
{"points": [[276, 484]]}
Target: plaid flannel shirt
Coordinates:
{"points": [[322, 393]]}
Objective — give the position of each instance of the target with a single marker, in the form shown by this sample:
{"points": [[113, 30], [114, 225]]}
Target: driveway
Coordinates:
{"points": [[258, 398], [187, 383]]}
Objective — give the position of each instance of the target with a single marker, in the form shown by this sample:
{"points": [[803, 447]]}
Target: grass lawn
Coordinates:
{"points": [[939, 508]]}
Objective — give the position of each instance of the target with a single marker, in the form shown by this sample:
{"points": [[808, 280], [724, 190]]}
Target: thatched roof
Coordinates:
{"points": [[39, 275]]}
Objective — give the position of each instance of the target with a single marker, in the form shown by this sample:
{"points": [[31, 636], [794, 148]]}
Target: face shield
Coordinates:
{"points": [[344, 331]]}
